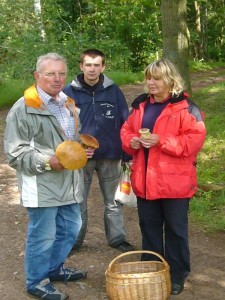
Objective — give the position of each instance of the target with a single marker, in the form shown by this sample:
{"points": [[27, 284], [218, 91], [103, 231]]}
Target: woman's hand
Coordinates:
{"points": [[150, 142], [135, 143]]}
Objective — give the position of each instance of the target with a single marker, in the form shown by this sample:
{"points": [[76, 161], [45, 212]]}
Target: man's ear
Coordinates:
{"points": [[103, 69], [37, 75]]}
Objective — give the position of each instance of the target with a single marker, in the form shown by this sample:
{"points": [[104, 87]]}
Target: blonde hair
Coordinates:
{"points": [[165, 70]]}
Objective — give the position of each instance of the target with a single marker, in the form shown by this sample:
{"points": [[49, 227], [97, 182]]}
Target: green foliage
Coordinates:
{"points": [[201, 65], [129, 32], [129, 37], [122, 78], [208, 210], [207, 41], [12, 90], [208, 207]]}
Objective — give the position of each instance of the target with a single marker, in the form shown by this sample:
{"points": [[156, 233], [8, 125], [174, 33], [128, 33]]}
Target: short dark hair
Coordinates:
{"points": [[93, 53]]}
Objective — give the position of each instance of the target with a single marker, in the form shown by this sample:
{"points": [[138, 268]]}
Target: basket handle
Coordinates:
{"points": [[137, 252]]}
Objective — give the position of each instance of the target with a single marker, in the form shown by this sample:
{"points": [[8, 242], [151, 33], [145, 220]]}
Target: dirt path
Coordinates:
{"points": [[206, 281]]}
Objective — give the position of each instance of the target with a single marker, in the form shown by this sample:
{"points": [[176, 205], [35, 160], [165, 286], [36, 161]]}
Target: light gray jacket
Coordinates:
{"points": [[31, 136]]}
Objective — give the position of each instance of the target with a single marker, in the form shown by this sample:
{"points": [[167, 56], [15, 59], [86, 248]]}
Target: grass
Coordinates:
{"points": [[122, 78], [206, 208], [199, 66], [11, 91]]}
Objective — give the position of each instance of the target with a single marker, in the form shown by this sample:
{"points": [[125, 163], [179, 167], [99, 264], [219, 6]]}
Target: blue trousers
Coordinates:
{"points": [[108, 172], [52, 232], [164, 228]]}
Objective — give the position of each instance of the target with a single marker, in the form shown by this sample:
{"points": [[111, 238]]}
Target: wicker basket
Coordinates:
{"points": [[138, 280]]}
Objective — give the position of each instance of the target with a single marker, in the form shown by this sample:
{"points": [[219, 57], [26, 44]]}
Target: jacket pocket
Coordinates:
{"points": [[177, 180]]}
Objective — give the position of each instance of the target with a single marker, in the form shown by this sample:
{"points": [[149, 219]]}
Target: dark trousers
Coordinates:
{"points": [[164, 228]]}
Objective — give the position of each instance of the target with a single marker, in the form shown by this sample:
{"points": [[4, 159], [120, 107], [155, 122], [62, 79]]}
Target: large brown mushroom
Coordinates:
{"points": [[71, 155], [89, 141]]}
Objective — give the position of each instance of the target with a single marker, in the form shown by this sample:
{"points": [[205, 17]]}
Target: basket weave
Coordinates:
{"points": [[139, 280]]}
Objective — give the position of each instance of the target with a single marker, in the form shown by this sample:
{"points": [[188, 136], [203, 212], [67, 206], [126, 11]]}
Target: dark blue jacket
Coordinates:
{"points": [[103, 110]]}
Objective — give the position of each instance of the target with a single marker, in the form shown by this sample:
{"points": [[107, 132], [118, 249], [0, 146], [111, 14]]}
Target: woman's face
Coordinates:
{"points": [[158, 88]]}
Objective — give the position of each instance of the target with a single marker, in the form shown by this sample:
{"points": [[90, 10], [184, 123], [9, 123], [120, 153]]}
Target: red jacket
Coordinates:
{"points": [[171, 166]]}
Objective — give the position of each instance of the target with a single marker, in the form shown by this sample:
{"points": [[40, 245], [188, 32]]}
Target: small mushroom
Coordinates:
{"points": [[88, 141], [145, 133]]}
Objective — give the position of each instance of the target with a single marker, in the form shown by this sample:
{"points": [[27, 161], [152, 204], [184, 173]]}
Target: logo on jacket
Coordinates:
{"points": [[107, 110]]}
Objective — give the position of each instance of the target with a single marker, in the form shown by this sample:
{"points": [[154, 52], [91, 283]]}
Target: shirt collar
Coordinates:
{"points": [[47, 98], [152, 99]]}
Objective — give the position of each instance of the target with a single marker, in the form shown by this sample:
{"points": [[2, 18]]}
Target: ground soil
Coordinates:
{"points": [[207, 278]]}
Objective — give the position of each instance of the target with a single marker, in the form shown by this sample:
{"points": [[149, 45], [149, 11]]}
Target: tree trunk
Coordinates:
{"points": [[199, 42], [37, 10], [205, 33], [175, 36]]}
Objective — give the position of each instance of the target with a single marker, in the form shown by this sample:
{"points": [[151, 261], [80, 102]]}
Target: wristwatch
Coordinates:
{"points": [[47, 165]]}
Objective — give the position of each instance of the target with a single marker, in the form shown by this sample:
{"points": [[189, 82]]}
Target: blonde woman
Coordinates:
{"points": [[164, 165]]}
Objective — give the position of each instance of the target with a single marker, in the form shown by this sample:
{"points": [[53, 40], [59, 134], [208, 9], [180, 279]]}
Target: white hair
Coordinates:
{"points": [[52, 56]]}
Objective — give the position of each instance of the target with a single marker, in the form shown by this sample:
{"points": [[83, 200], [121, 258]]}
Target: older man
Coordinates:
{"points": [[37, 123]]}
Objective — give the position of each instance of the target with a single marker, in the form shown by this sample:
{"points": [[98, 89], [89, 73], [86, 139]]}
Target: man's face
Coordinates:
{"points": [[92, 68], [51, 77]]}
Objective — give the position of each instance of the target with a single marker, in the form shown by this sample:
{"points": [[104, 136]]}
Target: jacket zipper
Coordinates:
{"points": [[93, 103]]}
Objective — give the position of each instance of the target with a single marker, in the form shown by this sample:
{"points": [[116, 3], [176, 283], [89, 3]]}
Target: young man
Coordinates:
{"points": [[103, 110], [36, 125]]}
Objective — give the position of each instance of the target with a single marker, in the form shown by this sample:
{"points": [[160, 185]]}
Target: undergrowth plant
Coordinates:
{"points": [[208, 208]]}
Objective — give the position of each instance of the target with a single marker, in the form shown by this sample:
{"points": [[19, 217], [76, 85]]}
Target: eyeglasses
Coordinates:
{"points": [[54, 74]]}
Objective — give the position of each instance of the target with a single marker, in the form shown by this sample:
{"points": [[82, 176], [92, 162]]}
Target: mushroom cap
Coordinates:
{"points": [[145, 133], [143, 130], [89, 141], [71, 155]]}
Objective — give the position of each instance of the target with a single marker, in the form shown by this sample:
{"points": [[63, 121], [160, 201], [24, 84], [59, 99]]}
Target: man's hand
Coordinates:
{"points": [[55, 164], [90, 152]]}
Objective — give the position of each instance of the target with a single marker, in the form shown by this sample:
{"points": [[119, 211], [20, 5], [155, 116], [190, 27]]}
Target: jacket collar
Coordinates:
{"points": [[79, 83], [32, 99], [145, 97]]}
